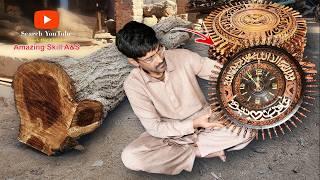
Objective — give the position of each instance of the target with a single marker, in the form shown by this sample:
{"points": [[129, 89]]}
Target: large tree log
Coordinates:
{"points": [[172, 39], [61, 99]]}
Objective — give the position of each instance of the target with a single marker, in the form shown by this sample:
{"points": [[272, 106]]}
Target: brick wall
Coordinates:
{"points": [[128, 10], [182, 6]]}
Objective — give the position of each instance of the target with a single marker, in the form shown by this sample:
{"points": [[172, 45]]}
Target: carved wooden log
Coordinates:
{"points": [[61, 99]]}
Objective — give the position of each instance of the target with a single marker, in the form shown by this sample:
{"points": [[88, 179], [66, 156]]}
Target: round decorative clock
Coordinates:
{"points": [[260, 87], [265, 81]]}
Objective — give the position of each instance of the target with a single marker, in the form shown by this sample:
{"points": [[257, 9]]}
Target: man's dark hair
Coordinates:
{"points": [[135, 40]]}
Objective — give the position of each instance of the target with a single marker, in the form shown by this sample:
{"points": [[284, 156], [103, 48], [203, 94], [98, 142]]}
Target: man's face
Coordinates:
{"points": [[153, 61]]}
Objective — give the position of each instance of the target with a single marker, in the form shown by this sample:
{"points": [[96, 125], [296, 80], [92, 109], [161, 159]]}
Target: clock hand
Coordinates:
{"points": [[249, 75], [258, 81]]}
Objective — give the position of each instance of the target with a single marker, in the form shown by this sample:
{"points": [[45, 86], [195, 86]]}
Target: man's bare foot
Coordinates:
{"points": [[219, 154], [223, 157]]}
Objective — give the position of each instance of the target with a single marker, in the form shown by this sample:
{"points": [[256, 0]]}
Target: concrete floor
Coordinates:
{"points": [[294, 155]]}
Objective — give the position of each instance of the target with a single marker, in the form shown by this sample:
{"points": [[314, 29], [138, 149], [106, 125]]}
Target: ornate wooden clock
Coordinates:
{"points": [[265, 81]]}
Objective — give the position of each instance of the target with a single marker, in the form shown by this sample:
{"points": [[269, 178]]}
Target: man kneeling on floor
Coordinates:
{"points": [[164, 93]]}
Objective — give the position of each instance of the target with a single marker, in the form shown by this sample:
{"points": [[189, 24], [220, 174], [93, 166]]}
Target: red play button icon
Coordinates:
{"points": [[46, 19]]}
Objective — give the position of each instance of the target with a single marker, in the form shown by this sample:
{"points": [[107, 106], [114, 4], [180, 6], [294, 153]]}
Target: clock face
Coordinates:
{"points": [[260, 87]]}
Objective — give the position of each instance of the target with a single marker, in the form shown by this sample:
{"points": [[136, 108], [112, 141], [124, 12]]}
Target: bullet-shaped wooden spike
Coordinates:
{"points": [[301, 114], [211, 94], [213, 78], [221, 46], [257, 135], [222, 118], [282, 131], [214, 104], [212, 90], [297, 118], [239, 131], [217, 41], [269, 133], [212, 82], [312, 80], [233, 128], [305, 109], [213, 98], [299, 20], [308, 103], [296, 41], [310, 70], [216, 109], [215, 38], [263, 135], [229, 124], [224, 121], [287, 126], [311, 91], [310, 97], [308, 77], [219, 114], [275, 132], [300, 33], [293, 123], [253, 133], [301, 28], [245, 132]]}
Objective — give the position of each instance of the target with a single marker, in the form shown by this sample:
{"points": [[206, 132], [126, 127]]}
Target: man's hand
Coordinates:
{"points": [[203, 122]]}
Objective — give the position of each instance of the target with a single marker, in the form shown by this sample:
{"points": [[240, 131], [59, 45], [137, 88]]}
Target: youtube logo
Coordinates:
{"points": [[46, 19]]}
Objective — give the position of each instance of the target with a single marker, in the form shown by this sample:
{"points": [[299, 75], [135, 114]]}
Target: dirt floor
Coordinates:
{"points": [[294, 155]]}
